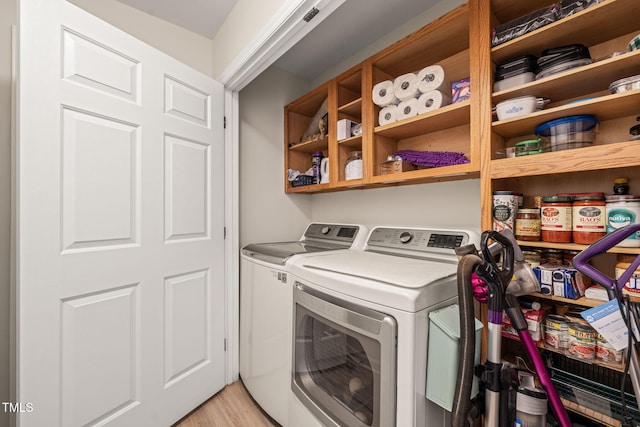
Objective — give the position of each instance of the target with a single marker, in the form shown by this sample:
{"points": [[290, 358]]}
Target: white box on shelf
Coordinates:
{"points": [[344, 129]]}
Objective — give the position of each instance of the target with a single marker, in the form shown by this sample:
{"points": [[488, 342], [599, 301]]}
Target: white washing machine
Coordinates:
{"points": [[361, 328], [266, 309]]}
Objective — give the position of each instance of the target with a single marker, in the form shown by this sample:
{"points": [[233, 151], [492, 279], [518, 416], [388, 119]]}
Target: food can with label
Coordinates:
{"points": [[556, 331], [582, 341], [606, 352], [621, 211], [505, 207], [623, 262]]}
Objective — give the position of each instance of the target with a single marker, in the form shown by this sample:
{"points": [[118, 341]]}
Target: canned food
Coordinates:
{"points": [[505, 207], [556, 331], [582, 341], [622, 264], [606, 352]]}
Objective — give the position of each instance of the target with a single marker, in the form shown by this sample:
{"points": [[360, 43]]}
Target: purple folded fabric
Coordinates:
{"points": [[432, 159]]}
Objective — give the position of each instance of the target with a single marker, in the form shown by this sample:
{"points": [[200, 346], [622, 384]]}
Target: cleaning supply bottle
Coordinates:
{"points": [[316, 160]]}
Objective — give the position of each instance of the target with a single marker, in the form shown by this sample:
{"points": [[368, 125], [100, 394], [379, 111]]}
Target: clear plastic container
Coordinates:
{"points": [[568, 132], [625, 85]]}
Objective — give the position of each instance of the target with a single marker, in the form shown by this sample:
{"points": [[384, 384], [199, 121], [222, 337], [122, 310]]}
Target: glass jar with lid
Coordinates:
{"points": [[353, 166], [556, 219], [528, 225], [589, 219]]}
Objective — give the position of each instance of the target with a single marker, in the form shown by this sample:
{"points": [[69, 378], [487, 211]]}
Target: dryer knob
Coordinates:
{"points": [[325, 230], [406, 237]]}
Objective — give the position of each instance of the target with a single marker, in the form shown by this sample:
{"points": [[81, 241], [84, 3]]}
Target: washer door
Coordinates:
{"points": [[344, 361]]}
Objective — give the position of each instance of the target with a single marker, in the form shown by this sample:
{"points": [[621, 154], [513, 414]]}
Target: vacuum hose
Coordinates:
{"points": [[462, 396]]}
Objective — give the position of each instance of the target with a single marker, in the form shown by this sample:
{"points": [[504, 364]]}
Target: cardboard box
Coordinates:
{"points": [[395, 166], [534, 324], [460, 90], [344, 129]]}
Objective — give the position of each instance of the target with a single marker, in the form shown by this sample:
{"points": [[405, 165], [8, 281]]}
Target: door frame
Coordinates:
{"points": [[283, 31]]}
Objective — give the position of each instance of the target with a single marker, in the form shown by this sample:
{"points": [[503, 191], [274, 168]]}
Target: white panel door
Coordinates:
{"points": [[120, 226]]}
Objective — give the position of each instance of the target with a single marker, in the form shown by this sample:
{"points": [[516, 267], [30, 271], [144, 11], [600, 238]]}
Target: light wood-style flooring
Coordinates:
{"points": [[231, 407]]}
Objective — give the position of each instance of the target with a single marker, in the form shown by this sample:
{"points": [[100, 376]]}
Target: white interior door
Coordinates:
{"points": [[120, 226]]}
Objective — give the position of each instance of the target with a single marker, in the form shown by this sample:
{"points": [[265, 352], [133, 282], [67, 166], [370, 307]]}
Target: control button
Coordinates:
{"points": [[405, 237], [325, 230]]}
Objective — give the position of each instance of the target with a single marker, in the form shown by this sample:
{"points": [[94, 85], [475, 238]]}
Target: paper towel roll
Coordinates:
{"points": [[388, 114], [407, 108], [432, 100], [383, 94], [406, 86], [432, 78]]}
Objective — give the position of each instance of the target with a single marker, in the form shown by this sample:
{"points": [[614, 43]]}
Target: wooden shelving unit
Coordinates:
{"points": [[460, 42], [444, 42]]}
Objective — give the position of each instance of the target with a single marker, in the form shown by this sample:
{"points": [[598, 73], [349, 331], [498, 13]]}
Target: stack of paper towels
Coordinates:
{"points": [[411, 94]]}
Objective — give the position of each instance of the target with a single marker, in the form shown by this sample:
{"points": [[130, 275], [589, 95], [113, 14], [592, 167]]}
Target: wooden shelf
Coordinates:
{"points": [[595, 77], [591, 26], [319, 144], [574, 247], [445, 173], [352, 142], [353, 108], [597, 157], [605, 107], [443, 118], [590, 413]]}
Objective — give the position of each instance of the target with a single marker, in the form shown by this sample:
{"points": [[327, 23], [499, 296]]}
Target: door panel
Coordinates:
{"points": [[120, 226]]}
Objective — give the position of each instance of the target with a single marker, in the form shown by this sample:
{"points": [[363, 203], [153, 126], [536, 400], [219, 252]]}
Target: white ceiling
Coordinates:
{"points": [[353, 26], [203, 17]]}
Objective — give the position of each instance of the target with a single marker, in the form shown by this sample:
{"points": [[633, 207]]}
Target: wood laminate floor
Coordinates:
{"points": [[231, 407]]}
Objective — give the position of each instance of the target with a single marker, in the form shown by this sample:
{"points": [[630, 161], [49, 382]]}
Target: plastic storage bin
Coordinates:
{"points": [[568, 132], [442, 360]]}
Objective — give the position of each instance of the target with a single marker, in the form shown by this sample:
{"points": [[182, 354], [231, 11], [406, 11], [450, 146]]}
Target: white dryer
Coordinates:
{"points": [[361, 328], [266, 294]]}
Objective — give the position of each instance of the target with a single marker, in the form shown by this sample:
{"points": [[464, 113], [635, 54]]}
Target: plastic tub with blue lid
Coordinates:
{"points": [[568, 132]]}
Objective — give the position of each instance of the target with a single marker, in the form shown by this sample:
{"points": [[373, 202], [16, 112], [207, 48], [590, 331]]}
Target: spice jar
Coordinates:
{"points": [[556, 219], [532, 258], [621, 186], [589, 219], [567, 257], [621, 211], [528, 225], [550, 256]]}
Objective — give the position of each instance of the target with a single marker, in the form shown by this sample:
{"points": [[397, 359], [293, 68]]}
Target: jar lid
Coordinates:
{"points": [[621, 181], [588, 122], [588, 197], [503, 193], [622, 198], [528, 211], [556, 199]]}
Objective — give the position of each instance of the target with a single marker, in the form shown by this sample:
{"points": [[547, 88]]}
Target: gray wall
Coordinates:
{"points": [[266, 213], [263, 202]]}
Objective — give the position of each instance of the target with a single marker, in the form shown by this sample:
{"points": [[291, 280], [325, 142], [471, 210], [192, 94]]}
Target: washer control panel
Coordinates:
{"points": [[416, 239]]}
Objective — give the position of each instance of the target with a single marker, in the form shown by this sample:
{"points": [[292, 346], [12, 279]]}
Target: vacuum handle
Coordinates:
{"points": [[580, 261], [505, 271]]}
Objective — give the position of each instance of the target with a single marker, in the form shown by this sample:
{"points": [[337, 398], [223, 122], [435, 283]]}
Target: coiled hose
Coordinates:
{"points": [[462, 396]]}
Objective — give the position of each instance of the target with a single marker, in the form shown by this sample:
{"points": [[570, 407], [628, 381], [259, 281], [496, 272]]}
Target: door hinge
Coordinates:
{"points": [[225, 344], [224, 122], [310, 15], [225, 233]]}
